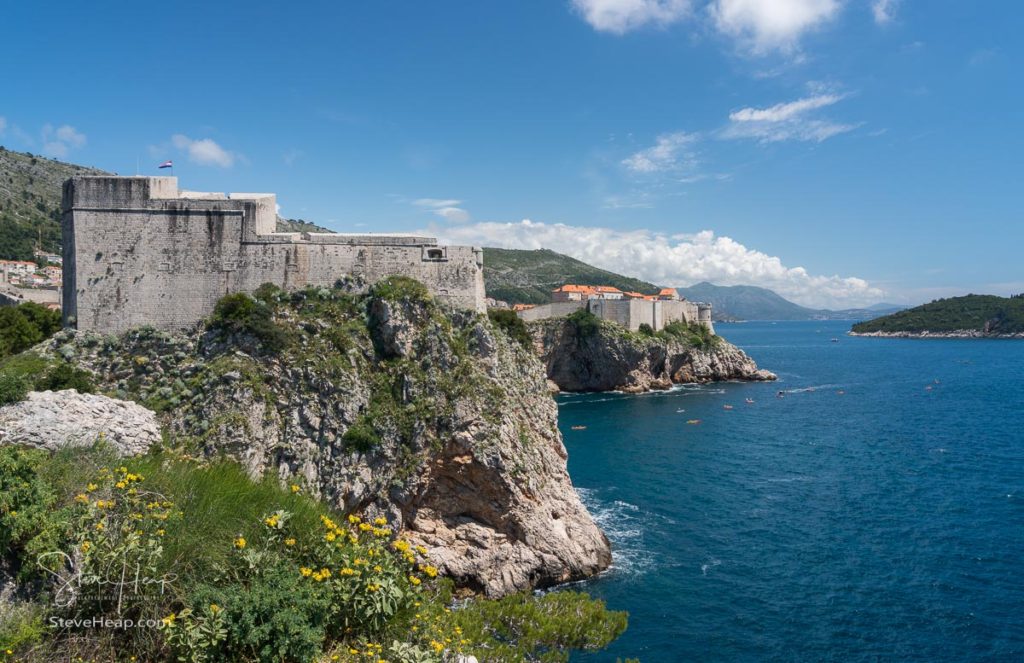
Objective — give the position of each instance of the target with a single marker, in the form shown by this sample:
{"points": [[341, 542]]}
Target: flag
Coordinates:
{"points": [[166, 164]]}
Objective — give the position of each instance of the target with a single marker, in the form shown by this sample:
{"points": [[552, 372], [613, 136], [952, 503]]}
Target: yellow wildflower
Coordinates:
{"points": [[414, 580], [400, 545], [86, 545], [306, 571], [372, 587], [289, 542], [295, 488], [430, 571], [365, 527], [330, 536], [377, 568], [325, 573], [161, 532], [380, 521], [99, 527], [81, 498], [91, 487], [436, 646], [120, 485], [271, 521], [347, 571], [169, 619], [354, 520], [421, 550], [240, 543]]}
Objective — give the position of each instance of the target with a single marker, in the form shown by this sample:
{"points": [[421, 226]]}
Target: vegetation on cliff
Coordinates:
{"points": [[218, 567], [581, 352], [528, 277], [985, 314]]}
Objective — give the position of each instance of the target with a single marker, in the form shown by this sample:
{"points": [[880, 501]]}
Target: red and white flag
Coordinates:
{"points": [[166, 164]]}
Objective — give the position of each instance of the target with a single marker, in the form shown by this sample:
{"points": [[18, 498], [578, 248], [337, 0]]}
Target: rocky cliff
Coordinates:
{"points": [[602, 356], [385, 404]]}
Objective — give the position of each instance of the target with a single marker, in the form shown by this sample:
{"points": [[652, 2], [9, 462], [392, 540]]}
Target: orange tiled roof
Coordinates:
{"points": [[606, 288], [522, 307], [569, 287], [668, 292]]}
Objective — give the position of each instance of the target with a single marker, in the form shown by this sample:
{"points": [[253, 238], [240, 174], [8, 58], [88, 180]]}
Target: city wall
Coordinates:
{"points": [[137, 251], [630, 313]]}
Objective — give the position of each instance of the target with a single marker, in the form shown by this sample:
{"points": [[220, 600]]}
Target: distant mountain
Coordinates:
{"points": [[986, 314], [30, 199], [748, 302], [528, 277]]}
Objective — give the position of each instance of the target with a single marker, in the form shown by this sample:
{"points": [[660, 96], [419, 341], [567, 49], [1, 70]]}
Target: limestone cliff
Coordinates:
{"points": [[385, 404], [605, 357]]}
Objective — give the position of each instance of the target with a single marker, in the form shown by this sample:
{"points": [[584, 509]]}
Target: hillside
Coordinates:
{"points": [[30, 191], [987, 315], [528, 277], [30, 199]]}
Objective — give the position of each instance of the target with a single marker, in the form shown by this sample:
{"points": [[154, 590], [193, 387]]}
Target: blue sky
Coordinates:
{"points": [[841, 152]]}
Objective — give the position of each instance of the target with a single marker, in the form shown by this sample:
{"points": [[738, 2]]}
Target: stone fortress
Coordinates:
{"points": [[139, 251], [627, 309]]}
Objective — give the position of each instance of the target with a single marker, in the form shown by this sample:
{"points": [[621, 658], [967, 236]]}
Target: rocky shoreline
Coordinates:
{"points": [[613, 359], [959, 333]]}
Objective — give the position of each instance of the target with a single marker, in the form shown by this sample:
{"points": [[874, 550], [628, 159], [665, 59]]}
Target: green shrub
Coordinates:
{"points": [[361, 436], [527, 628], [275, 615], [584, 322], [645, 329], [507, 321], [66, 376], [694, 334], [239, 313], [398, 288], [13, 388], [24, 325]]}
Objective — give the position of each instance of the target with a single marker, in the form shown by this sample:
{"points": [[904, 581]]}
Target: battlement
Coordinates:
{"points": [[139, 251]]}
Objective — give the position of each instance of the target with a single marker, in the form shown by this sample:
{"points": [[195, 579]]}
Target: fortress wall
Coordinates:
{"points": [[132, 259], [553, 310]]}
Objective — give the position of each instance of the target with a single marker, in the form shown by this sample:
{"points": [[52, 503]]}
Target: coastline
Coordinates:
{"points": [[959, 333]]}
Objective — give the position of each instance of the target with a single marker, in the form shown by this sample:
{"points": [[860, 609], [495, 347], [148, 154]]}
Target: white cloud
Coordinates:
{"points": [[60, 141], [204, 152], [787, 121], [446, 208], [883, 10], [678, 260], [670, 152], [762, 26], [619, 16]]}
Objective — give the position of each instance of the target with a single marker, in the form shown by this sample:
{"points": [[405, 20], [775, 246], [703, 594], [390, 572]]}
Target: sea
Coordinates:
{"points": [[868, 506]]}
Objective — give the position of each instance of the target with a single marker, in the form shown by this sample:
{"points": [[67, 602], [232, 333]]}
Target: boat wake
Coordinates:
{"points": [[624, 524]]}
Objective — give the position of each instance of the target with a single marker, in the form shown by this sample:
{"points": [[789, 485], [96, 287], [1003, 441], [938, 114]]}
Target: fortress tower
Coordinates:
{"points": [[137, 251]]}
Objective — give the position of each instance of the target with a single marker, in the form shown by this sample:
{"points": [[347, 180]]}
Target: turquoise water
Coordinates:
{"points": [[885, 522]]}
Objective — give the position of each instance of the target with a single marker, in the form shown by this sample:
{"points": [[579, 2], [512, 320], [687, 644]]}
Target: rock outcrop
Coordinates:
{"points": [[394, 407], [54, 420], [606, 357]]}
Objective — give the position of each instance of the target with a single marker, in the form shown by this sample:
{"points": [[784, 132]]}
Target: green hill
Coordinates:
{"points": [[528, 277], [745, 302], [988, 314], [30, 192]]}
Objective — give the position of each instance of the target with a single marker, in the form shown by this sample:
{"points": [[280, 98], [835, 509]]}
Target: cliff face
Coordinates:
{"points": [[609, 358], [386, 406]]}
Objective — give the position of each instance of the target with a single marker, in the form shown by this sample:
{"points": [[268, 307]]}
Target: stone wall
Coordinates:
{"points": [[630, 313], [137, 251]]}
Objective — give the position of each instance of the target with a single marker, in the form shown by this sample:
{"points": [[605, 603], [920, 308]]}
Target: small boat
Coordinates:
{"points": [[579, 427], [726, 407], [693, 421], [928, 388], [781, 394], [750, 401], [680, 410], [840, 392], [835, 340]]}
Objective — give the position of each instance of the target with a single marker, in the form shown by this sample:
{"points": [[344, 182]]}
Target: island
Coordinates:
{"points": [[970, 316]]}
